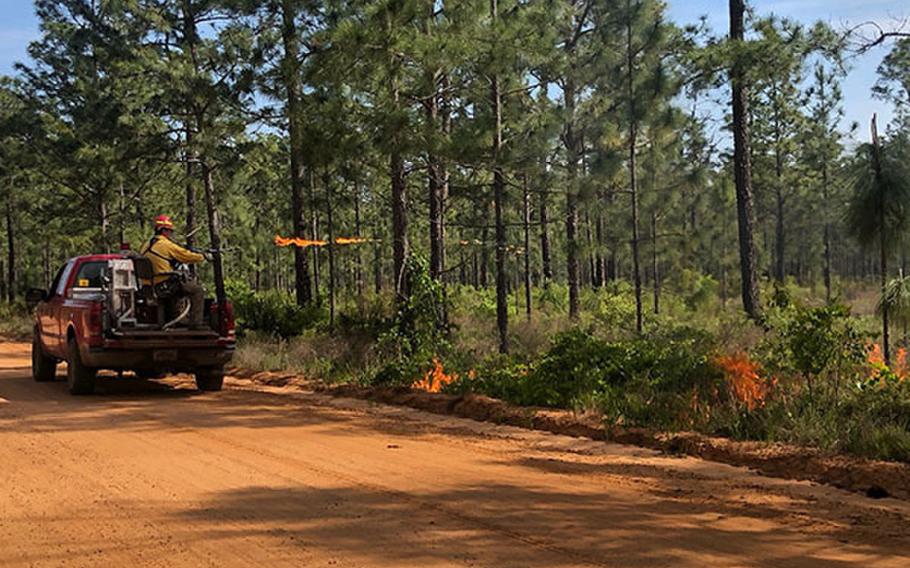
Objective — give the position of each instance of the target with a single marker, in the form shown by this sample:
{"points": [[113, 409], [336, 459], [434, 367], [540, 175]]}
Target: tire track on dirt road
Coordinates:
{"points": [[153, 474]]}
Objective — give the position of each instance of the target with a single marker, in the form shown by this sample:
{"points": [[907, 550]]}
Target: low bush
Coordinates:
{"points": [[817, 344], [629, 379], [16, 322], [273, 312], [416, 334]]}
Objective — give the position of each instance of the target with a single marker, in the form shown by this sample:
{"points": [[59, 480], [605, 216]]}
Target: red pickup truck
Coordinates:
{"points": [[102, 313]]}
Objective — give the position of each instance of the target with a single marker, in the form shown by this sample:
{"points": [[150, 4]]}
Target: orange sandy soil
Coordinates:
{"points": [[156, 474]]}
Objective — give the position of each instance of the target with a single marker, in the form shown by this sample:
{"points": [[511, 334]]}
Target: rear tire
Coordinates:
{"points": [[79, 378], [210, 378], [44, 368]]}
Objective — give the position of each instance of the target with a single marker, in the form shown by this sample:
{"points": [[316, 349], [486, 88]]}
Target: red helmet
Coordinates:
{"points": [[164, 222]]}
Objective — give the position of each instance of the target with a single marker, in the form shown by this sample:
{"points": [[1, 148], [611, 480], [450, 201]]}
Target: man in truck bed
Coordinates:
{"points": [[164, 254]]}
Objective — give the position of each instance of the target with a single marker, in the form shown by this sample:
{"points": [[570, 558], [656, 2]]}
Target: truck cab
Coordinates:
{"points": [[102, 312]]}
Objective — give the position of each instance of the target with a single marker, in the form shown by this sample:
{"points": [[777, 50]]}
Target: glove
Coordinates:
{"points": [[207, 255]]}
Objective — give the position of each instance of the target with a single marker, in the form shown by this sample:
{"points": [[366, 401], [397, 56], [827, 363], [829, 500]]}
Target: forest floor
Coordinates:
{"points": [[156, 474]]}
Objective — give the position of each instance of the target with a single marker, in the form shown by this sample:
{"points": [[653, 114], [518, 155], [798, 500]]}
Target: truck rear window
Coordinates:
{"points": [[90, 275]]}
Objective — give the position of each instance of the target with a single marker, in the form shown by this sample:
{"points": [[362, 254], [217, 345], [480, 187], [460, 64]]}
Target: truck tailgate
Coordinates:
{"points": [[158, 339]]}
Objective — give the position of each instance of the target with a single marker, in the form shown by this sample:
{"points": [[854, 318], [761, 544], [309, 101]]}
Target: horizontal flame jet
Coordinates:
{"points": [[304, 243]]}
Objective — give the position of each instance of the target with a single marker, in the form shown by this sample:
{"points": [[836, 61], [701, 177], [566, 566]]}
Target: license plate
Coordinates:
{"points": [[163, 355]]}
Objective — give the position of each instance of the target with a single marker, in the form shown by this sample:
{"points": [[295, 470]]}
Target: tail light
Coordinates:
{"points": [[225, 320], [95, 331]]}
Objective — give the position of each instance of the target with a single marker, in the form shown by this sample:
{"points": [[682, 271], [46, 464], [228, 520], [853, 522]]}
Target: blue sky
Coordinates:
{"points": [[18, 26], [840, 14]]}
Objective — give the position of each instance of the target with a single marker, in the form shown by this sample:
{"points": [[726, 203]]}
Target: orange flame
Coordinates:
{"points": [[746, 385], [875, 355], [435, 378], [351, 240], [900, 366], [304, 243]]}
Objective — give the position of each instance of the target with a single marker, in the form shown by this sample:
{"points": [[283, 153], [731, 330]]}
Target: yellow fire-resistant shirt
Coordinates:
{"points": [[163, 251]]}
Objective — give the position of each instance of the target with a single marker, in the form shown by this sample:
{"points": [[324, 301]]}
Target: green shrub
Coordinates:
{"points": [[878, 410], [615, 308], [552, 297], [699, 291], [416, 333], [273, 312], [822, 343], [632, 379]]}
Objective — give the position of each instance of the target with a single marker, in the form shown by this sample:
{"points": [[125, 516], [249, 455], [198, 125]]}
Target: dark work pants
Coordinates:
{"points": [[193, 290]]}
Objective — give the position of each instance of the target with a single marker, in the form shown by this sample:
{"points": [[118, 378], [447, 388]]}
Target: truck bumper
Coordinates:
{"points": [[160, 359]]}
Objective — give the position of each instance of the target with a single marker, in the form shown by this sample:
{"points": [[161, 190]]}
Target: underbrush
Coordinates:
{"points": [[580, 368], [810, 375], [329, 358], [15, 322]]}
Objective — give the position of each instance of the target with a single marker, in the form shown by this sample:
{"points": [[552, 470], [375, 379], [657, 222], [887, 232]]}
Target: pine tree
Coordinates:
{"points": [[742, 167], [822, 153]]}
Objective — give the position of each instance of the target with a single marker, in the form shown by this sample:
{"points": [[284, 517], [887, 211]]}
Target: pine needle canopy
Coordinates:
{"points": [[896, 298], [880, 208]]}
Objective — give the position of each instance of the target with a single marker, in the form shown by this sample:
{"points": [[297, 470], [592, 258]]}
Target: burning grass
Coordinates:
{"points": [[436, 378], [743, 379]]}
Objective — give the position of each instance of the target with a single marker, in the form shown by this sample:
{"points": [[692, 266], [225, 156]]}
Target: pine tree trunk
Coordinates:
{"points": [[190, 38], [779, 265], [572, 157], [331, 246], [121, 218], [601, 263], [589, 238], [883, 260], [499, 186], [743, 169], [655, 266], [211, 209], [314, 232], [358, 258], [104, 242], [527, 246], [883, 250], [10, 251], [437, 185], [546, 266], [190, 189], [399, 225], [633, 179], [47, 262], [779, 243], [257, 277], [377, 267], [484, 247], [434, 184], [827, 238], [611, 268], [290, 39]]}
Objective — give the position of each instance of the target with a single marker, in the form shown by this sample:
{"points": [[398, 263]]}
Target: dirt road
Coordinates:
{"points": [[154, 474]]}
